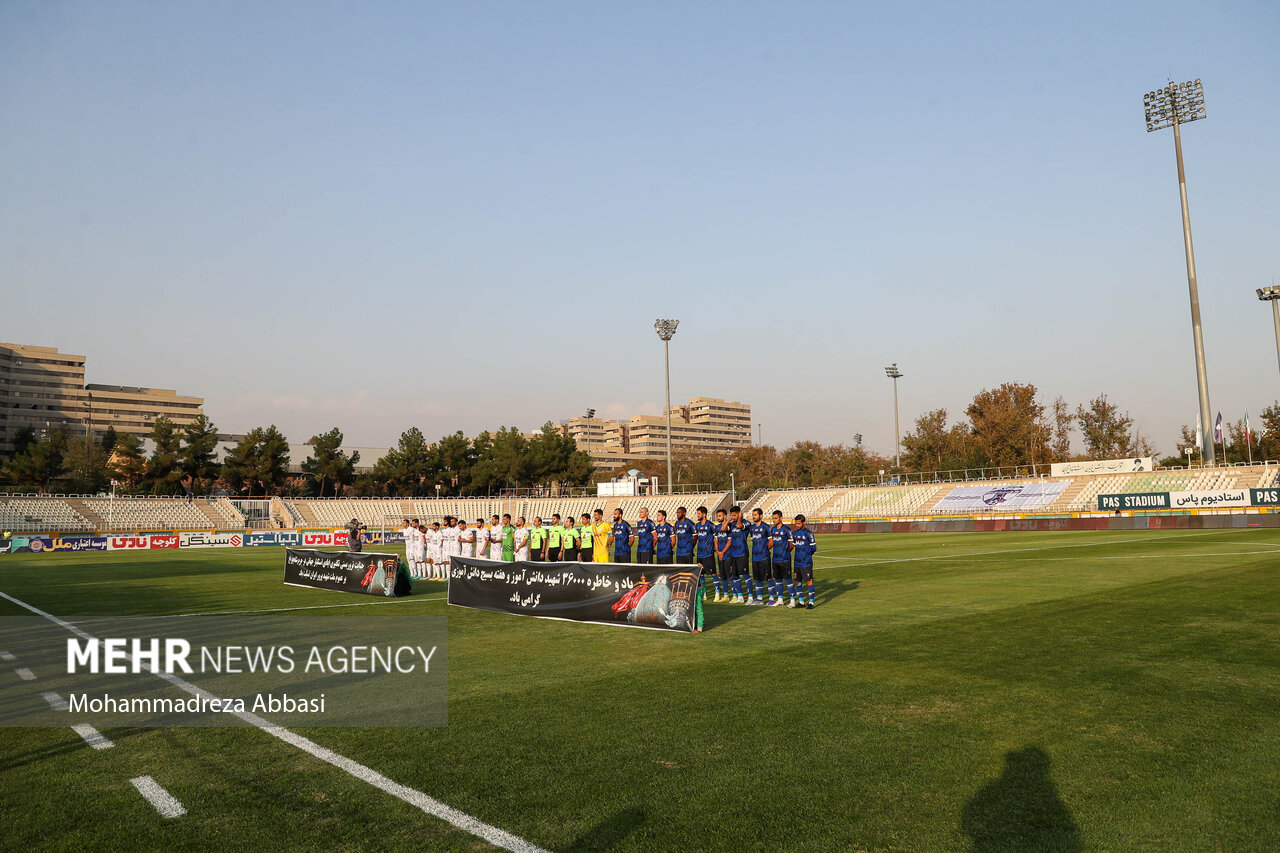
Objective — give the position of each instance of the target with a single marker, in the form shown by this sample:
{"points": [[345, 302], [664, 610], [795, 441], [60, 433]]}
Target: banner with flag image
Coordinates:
{"points": [[1217, 430]]}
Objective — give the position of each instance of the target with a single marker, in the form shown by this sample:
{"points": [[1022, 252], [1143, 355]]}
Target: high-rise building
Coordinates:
{"points": [[704, 425], [44, 389]]}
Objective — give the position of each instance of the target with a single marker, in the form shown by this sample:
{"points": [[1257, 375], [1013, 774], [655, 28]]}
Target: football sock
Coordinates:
{"points": [[760, 590], [737, 587], [811, 592]]}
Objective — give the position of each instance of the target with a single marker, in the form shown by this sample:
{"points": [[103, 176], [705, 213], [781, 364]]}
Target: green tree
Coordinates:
{"points": [[328, 462], [22, 439], [85, 464], [1008, 426], [455, 457], [934, 446], [1105, 429], [109, 439], [39, 464], [502, 464], [163, 471], [197, 457], [1267, 433], [1060, 446], [405, 469], [259, 463], [126, 465]]}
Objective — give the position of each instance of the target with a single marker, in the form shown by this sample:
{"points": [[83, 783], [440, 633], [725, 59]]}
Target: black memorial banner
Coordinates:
{"points": [[642, 596], [370, 574]]}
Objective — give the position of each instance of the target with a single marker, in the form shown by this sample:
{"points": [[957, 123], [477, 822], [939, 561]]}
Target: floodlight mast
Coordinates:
{"points": [[895, 374], [666, 329], [1272, 295], [1175, 105]]}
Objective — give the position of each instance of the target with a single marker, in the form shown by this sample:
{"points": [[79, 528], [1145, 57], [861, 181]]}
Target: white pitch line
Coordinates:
{"points": [[429, 805], [266, 610], [55, 701], [5, 656], [94, 738], [165, 803], [25, 674]]}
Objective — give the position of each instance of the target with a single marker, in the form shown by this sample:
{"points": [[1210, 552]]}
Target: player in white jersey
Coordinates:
{"points": [[521, 540], [406, 535], [452, 545], [482, 539], [434, 543], [495, 539], [418, 560], [466, 539]]}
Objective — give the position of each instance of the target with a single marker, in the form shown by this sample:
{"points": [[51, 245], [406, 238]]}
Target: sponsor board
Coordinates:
{"points": [[165, 540], [140, 542], [288, 538], [44, 544], [1102, 466], [212, 539], [317, 539], [1137, 500], [1219, 499]]}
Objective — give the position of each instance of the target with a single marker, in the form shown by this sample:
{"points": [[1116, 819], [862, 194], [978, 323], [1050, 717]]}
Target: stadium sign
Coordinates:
{"points": [[641, 596], [1265, 497], [1102, 466], [371, 574], [1137, 500], [211, 539], [320, 538], [1220, 499]]}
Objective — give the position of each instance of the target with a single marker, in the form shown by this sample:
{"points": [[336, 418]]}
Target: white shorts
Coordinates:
{"points": [[523, 554]]}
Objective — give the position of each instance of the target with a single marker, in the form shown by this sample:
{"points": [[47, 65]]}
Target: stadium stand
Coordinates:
{"points": [[30, 515], [71, 513]]}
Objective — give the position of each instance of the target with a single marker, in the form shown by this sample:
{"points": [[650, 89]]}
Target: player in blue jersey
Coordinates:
{"points": [[722, 556], [705, 549], [761, 571], [686, 536], [644, 537], [620, 538], [664, 536], [737, 553], [783, 582], [803, 547]]}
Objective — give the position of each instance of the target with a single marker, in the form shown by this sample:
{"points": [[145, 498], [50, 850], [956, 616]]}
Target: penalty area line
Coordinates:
{"points": [[429, 805]]}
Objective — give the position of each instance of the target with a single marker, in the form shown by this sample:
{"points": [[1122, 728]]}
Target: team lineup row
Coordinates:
{"points": [[748, 563]]}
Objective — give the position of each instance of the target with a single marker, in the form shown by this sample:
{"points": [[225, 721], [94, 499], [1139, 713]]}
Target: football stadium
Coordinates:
{"points": [[823, 463]]}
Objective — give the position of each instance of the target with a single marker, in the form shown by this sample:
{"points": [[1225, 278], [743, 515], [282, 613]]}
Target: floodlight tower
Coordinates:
{"points": [[1272, 295], [1173, 106], [895, 374], [666, 329]]}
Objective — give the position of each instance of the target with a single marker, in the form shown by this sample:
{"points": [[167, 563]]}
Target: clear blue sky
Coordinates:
{"points": [[462, 215]]}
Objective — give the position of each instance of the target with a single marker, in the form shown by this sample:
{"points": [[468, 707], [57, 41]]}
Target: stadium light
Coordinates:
{"points": [[1173, 106], [895, 374], [666, 329], [1272, 295]]}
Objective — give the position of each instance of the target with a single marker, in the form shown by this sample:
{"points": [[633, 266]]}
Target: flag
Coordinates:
{"points": [[1199, 432], [1248, 434], [1217, 429]]}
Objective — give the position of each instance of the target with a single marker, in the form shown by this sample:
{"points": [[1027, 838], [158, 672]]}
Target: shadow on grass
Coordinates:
{"points": [[1021, 810], [609, 832], [830, 590], [72, 743]]}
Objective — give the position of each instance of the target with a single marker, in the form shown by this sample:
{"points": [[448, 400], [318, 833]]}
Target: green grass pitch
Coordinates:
{"points": [[988, 692]]}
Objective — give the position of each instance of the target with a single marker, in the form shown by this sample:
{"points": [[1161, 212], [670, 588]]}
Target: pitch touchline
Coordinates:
{"points": [[266, 610], [429, 805]]}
